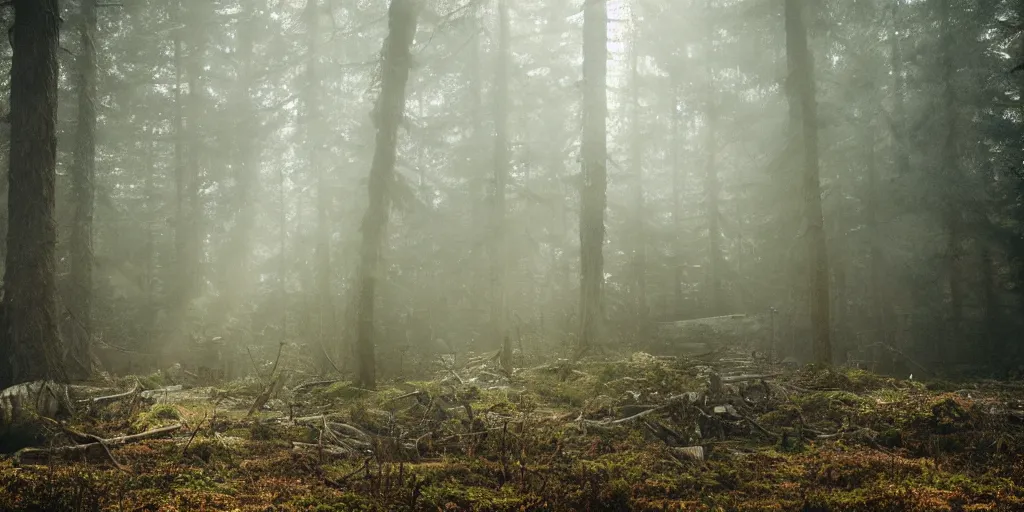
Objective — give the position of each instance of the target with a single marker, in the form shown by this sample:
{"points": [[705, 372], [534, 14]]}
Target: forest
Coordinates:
{"points": [[723, 255]]}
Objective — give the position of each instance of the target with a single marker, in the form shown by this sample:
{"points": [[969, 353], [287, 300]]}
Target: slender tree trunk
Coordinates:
{"points": [[178, 277], [188, 152], [498, 233], [636, 150], [880, 309], [951, 174], [802, 97], [677, 202], [30, 343], [594, 149], [899, 114], [989, 272], [83, 173], [387, 115], [152, 208], [712, 185], [247, 160], [314, 130]]}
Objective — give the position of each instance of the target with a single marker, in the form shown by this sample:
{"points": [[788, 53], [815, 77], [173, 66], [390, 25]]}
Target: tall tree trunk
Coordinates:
{"points": [[802, 97], [30, 343], [880, 310], [387, 115], [314, 132], [989, 271], [83, 173], [677, 202], [498, 231], [950, 173], [636, 150], [899, 114], [712, 185], [247, 159], [178, 277], [188, 59], [594, 150]]}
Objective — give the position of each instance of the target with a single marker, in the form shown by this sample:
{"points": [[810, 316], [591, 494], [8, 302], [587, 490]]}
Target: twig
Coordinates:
{"points": [[193, 436], [255, 367], [273, 369], [760, 428]]}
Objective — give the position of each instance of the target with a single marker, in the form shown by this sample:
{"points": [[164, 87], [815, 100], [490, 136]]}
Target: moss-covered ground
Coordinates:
{"points": [[561, 437]]}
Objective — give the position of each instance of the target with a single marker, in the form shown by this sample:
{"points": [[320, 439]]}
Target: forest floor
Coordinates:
{"points": [[642, 433]]}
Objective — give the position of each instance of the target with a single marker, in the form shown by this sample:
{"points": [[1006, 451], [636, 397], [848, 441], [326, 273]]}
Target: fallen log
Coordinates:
{"points": [[98, 448]]}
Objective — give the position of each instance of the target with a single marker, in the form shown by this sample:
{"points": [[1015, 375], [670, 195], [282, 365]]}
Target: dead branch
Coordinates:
{"points": [[607, 423], [112, 398], [315, 383], [193, 436], [98, 447]]}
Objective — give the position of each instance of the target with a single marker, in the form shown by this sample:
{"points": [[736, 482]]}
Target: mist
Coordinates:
{"points": [[237, 184]]}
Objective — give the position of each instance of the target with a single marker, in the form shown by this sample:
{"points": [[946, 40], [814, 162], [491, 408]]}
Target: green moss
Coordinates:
{"points": [[157, 415]]}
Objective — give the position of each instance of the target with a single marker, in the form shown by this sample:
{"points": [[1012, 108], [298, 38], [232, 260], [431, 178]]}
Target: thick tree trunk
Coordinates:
{"points": [[83, 172], [30, 343], [636, 149], [498, 233], [594, 149], [387, 115], [802, 97]]}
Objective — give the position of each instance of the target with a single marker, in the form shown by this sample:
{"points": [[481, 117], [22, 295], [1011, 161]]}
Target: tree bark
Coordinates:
{"points": [[30, 344], [83, 172], [501, 155], [387, 115], [594, 150], [802, 97]]}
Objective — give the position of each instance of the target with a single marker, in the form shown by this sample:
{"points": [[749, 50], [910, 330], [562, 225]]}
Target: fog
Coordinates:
{"points": [[238, 145]]}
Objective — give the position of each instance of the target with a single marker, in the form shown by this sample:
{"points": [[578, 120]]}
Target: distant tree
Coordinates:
{"points": [[802, 99], [396, 61], [313, 140], [712, 182], [30, 343], [636, 161], [594, 155], [498, 233], [83, 174]]}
